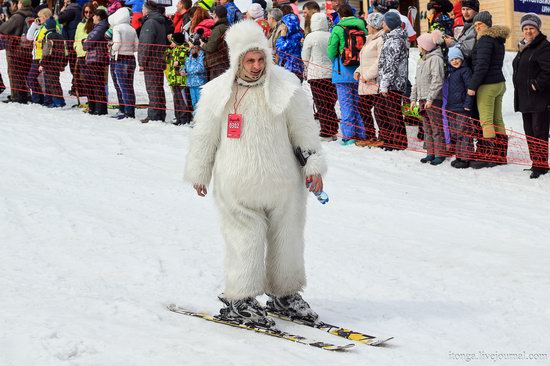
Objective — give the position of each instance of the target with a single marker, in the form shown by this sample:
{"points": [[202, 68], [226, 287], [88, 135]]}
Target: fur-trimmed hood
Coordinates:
{"points": [[241, 38], [496, 31]]}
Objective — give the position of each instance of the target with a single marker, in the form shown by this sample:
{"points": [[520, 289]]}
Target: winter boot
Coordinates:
{"points": [[437, 160], [245, 311], [427, 159], [461, 164], [292, 306]]}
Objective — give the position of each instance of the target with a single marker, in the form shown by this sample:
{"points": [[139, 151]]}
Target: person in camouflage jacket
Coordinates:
{"points": [[175, 61]]}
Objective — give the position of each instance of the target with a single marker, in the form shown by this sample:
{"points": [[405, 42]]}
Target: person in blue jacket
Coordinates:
{"points": [[460, 104], [289, 46]]}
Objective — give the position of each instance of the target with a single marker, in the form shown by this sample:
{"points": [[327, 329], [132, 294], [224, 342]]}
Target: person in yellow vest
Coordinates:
{"points": [[36, 33], [82, 29]]}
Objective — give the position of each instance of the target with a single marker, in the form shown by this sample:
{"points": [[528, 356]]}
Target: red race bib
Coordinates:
{"points": [[234, 125]]}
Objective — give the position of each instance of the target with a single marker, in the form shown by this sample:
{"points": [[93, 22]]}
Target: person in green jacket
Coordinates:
{"points": [[351, 124], [175, 60]]}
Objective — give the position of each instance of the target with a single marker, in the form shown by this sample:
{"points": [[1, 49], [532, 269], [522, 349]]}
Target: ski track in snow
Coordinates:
{"points": [[98, 233]]}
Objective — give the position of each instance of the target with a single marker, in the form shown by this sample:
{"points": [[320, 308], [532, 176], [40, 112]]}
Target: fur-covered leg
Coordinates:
{"points": [[244, 231], [285, 246]]}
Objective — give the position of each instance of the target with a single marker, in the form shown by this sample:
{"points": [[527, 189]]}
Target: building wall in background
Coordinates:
{"points": [[503, 14]]}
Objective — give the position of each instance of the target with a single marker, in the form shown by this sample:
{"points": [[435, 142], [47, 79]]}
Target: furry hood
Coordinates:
{"points": [[496, 31], [240, 38]]}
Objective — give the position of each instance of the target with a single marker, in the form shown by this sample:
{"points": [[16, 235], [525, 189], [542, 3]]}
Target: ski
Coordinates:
{"points": [[336, 330], [267, 331]]}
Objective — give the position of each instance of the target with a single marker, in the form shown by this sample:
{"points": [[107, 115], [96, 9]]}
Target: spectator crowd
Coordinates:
{"points": [[355, 64]]}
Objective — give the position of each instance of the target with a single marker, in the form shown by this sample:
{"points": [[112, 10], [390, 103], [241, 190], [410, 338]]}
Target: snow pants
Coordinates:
{"points": [[154, 84], [368, 104], [324, 97], [351, 124], [489, 104], [537, 127], [433, 128], [264, 246]]}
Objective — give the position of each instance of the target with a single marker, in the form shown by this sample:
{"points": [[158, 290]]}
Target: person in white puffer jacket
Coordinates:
{"points": [[123, 62], [319, 75], [249, 121]]}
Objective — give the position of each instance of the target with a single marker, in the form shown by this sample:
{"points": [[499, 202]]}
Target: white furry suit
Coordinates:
{"points": [[258, 182]]}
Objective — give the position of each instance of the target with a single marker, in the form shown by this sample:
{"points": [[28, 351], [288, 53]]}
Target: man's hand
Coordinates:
{"points": [[141, 68], [201, 189], [40, 68], [428, 104], [471, 92], [314, 183]]}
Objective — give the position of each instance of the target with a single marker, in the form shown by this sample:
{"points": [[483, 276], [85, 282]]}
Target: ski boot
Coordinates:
{"points": [[292, 306], [245, 311]]}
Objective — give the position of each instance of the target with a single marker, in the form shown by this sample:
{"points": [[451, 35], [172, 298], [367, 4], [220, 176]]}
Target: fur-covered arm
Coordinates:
{"points": [[204, 144], [304, 132]]}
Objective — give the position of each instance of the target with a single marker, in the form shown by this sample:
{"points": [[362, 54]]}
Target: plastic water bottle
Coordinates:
{"points": [[321, 196]]}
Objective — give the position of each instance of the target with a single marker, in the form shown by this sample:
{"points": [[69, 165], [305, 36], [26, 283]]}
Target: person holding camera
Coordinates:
{"points": [[217, 58]]}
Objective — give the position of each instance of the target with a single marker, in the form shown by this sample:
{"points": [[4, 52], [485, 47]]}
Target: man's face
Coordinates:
{"points": [[179, 6], [145, 11], [468, 13], [223, 2], [254, 63]]}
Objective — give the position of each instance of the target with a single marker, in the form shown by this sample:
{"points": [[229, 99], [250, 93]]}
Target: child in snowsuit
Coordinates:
{"points": [[54, 58], [430, 74], [175, 60], [459, 104], [196, 74]]}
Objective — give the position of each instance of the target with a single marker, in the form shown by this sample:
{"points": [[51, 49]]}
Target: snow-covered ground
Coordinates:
{"points": [[98, 233]]}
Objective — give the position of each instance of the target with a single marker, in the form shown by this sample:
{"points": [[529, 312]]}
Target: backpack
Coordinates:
{"points": [[354, 39]]}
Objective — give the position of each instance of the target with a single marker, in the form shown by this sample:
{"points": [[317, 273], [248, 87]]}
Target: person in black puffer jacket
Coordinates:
{"points": [[488, 85], [532, 90], [97, 63], [70, 16], [152, 44]]}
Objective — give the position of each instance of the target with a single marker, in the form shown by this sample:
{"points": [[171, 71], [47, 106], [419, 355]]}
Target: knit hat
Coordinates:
{"points": [[256, 11], [472, 4], [455, 52], [484, 17], [50, 24], [220, 11], [178, 38], [426, 41], [375, 20], [392, 20], [382, 6], [150, 5], [26, 3], [441, 6], [531, 19]]}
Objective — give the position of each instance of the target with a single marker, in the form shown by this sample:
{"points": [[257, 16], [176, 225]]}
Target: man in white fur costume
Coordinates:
{"points": [[249, 121]]}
